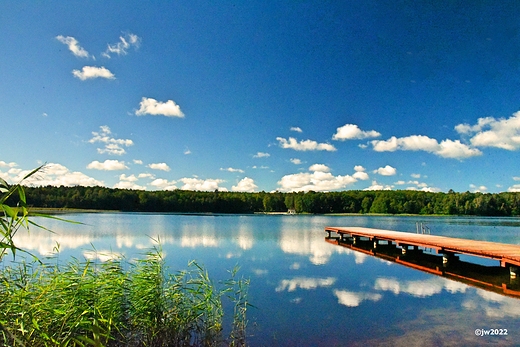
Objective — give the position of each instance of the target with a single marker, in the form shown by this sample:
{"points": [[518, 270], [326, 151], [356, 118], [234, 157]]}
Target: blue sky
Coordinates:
{"points": [[262, 95]]}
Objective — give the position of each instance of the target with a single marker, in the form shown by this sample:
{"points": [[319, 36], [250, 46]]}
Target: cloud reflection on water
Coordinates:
{"points": [[307, 283], [354, 299], [419, 288], [493, 305]]}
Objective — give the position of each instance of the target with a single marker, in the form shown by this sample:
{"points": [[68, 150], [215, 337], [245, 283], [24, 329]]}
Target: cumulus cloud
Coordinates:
{"points": [[156, 108], [319, 167], [446, 149], [354, 299], [305, 145], [514, 188], [73, 46], [51, 174], [128, 185], [163, 184], [320, 179], [89, 72], [200, 184], [113, 146], [386, 171], [360, 173], [377, 186], [296, 161], [159, 166], [416, 185], [107, 165], [353, 132], [261, 155], [491, 132], [121, 48], [297, 129], [245, 185], [10, 165], [478, 189], [138, 162], [230, 169]]}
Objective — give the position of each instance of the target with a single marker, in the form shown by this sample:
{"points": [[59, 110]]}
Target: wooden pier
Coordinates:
{"points": [[507, 254]]}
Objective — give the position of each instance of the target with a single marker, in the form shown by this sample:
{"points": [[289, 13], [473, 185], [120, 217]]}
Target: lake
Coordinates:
{"points": [[306, 291]]}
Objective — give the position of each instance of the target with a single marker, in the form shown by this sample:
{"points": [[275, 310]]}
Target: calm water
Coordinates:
{"points": [[307, 291]]}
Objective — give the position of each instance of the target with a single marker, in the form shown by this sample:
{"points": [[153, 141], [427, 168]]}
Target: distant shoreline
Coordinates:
{"points": [[53, 210]]}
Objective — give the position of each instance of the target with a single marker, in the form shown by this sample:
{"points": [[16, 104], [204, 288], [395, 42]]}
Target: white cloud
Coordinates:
{"points": [[107, 165], [386, 171], [377, 186], [121, 47], [414, 175], [200, 184], [157, 108], [145, 175], [230, 169], [491, 132], [89, 72], [308, 283], [352, 132], [51, 174], [296, 161], [514, 188], [159, 166], [319, 180], [446, 149], [361, 175], [416, 185], [478, 189], [319, 167], [130, 178], [261, 155], [187, 151], [163, 184], [10, 165], [353, 299], [112, 145], [73, 45], [128, 185], [245, 185], [297, 129], [305, 145]]}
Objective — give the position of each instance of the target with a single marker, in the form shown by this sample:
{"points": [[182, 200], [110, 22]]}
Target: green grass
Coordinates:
{"points": [[118, 303]]}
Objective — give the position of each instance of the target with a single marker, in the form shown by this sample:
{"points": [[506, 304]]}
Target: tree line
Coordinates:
{"points": [[351, 201]]}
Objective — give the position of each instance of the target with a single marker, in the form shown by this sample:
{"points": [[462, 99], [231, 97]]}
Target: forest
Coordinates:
{"points": [[350, 201]]}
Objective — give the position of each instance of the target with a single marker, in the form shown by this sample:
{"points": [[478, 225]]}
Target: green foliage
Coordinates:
{"points": [[351, 201], [102, 304]]}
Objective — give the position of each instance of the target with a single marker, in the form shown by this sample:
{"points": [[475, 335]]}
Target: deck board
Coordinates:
{"points": [[506, 253]]}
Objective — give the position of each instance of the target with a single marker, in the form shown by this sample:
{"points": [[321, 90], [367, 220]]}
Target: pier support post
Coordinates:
{"points": [[449, 257], [328, 231]]}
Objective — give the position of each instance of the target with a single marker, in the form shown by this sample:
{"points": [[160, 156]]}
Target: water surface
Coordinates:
{"points": [[307, 291]]}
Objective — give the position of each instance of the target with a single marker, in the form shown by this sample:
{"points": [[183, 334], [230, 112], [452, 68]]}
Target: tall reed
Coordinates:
{"points": [[117, 303], [112, 303]]}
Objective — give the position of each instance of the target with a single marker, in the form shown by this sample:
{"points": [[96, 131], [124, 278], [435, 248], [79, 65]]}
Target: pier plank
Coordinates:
{"points": [[506, 253]]}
